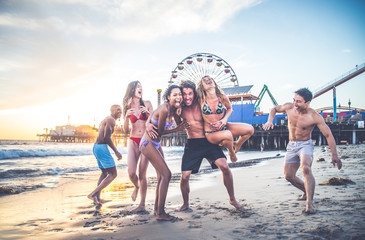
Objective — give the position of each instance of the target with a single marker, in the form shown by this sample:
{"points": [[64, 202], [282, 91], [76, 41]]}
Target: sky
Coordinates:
{"points": [[64, 60]]}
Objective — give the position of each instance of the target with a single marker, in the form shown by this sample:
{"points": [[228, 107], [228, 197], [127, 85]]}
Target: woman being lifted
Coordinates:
{"points": [[216, 109]]}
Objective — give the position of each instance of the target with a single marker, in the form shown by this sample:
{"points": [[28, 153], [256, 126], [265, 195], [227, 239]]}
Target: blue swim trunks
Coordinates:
{"points": [[103, 156]]}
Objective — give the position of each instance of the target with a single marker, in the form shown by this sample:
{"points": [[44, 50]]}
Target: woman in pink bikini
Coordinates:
{"points": [[162, 119], [137, 111], [216, 109]]}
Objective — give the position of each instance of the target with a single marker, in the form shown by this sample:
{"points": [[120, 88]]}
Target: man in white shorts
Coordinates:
{"points": [[301, 121]]}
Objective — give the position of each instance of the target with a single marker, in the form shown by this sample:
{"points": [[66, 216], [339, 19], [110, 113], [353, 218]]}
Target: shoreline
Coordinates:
{"points": [[272, 211]]}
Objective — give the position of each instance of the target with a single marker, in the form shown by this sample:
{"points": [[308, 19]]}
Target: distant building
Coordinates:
{"points": [[65, 130], [69, 133]]}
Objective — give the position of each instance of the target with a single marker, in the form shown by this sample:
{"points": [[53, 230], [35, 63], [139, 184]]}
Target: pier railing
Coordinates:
{"points": [[339, 80], [278, 137]]}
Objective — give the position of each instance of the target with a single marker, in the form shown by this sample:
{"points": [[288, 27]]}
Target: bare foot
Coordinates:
{"points": [[302, 198], [140, 208], [102, 201], [165, 217], [182, 208], [310, 209], [232, 156], [135, 194], [94, 199], [237, 147], [238, 206]]}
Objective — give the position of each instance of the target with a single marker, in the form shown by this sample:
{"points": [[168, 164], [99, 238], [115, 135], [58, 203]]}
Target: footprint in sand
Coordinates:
{"points": [[97, 228], [217, 218], [35, 222], [194, 224], [91, 224]]}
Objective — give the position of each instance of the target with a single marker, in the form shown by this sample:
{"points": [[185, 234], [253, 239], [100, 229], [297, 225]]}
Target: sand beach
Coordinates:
{"points": [[272, 211]]}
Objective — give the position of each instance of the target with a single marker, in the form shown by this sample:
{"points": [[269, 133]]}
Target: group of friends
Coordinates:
{"points": [[202, 110]]}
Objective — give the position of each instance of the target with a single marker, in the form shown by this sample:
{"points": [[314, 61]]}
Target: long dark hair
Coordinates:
{"points": [[129, 94]]}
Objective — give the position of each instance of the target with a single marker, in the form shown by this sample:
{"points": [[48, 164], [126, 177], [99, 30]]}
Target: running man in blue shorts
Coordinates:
{"points": [[301, 121], [198, 148], [103, 157]]}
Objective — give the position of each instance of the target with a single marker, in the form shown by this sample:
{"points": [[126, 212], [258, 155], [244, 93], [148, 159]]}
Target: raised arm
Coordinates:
{"points": [[277, 109], [148, 109], [326, 131], [128, 113]]}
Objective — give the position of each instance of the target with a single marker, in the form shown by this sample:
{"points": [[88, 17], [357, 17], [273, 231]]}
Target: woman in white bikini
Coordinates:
{"points": [[216, 109]]}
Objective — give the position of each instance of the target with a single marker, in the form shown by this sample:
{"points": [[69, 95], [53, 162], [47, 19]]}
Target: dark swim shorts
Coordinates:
{"points": [[195, 150]]}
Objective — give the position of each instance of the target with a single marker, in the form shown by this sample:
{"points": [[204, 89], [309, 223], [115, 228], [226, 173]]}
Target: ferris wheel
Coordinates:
{"points": [[198, 65]]}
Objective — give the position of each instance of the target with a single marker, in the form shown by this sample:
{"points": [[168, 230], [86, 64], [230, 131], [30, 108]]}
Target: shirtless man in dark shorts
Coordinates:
{"points": [[301, 121], [198, 148], [104, 158]]}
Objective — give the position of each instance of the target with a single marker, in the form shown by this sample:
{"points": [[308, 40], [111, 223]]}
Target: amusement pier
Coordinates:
{"points": [[346, 123]]}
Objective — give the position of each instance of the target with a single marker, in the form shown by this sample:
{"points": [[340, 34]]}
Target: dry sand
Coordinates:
{"points": [[272, 211]]}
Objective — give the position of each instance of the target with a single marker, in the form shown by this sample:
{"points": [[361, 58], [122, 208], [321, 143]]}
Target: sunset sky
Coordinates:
{"points": [[61, 58]]}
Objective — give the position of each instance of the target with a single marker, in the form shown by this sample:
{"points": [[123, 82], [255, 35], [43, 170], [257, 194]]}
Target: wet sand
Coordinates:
{"points": [[272, 211]]}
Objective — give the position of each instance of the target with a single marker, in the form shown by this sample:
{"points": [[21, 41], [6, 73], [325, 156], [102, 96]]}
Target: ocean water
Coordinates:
{"points": [[29, 165]]}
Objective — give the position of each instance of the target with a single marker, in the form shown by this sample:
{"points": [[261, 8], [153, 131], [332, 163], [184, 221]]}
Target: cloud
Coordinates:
{"points": [[346, 51], [50, 49], [127, 20]]}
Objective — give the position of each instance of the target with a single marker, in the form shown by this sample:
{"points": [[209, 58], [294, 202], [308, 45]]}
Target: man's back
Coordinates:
{"points": [[107, 122]]}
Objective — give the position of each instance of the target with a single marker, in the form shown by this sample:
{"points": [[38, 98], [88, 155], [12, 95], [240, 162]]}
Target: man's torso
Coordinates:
{"points": [[193, 116], [101, 139], [300, 125]]}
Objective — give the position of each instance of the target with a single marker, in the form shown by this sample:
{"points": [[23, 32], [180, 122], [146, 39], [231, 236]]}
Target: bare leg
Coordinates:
{"points": [[307, 187], [142, 172], [133, 155], [158, 176], [242, 130], [111, 175], [228, 182], [309, 182], [303, 197], [231, 151], [290, 170], [226, 139], [185, 190], [101, 178], [156, 158]]}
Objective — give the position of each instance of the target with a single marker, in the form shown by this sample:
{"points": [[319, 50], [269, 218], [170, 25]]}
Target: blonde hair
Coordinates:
{"points": [[201, 92]]}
